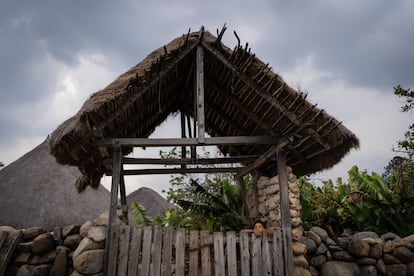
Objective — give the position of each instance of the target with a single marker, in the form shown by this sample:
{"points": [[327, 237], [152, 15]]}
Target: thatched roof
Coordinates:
{"points": [[243, 97], [37, 191], [155, 205]]}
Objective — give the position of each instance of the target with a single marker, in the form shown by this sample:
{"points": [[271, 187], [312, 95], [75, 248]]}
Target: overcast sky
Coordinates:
{"points": [[347, 55]]}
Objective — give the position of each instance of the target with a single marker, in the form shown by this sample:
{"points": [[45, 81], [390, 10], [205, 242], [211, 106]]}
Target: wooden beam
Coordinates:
{"points": [[209, 141], [263, 158], [179, 170], [285, 211], [200, 94], [116, 178], [187, 161]]}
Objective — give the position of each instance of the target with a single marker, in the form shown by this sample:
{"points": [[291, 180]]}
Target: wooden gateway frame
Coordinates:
{"points": [[275, 152]]}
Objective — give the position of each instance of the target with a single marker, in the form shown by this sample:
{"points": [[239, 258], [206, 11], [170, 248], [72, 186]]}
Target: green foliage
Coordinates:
{"points": [[140, 216], [406, 146]]}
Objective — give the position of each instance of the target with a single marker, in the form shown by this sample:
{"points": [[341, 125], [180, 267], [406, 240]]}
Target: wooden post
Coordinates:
{"points": [[124, 205], [183, 148], [116, 179], [200, 94], [285, 211]]}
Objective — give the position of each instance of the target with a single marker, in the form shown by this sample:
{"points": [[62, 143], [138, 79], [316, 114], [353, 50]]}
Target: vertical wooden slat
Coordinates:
{"points": [[266, 255], [244, 253], [116, 178], [231, 253], [124, 235], [200, 94], [136, 241], [219, 266], [14, 240], [166, 253], [156, 252], [194, 252], [124, 204], [256, 256], [278, 263], [205, 241], [146, 251], [285, 211], [113, 252], [180, 252]]}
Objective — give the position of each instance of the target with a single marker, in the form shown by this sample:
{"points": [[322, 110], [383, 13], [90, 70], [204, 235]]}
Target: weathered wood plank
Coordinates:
{"points": [[244, 243], [205, 242], [167, 252], [209, 141], [136, 241], [179, 170], [188, 161], [113, 250], [124, 234], [14, 238], [156, 252], [200, 94], [219, 261], [231, 253], [266, 255], [146, 251], [256, 256], [194, 252], [277, 248], [180, 252]]}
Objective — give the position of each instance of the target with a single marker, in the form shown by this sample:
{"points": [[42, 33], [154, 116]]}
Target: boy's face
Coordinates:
{"points": [[258, 229]]}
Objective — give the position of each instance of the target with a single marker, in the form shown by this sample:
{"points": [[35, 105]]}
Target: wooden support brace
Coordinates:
{"points": [[200, 94]]}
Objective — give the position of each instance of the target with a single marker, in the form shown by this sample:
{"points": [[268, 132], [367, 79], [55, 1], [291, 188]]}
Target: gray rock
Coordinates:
{"points": [[317, 261], [33, 232], [320, 232], [57, 235], [368, 271], [310, 244], [342, 256], [7, 228], [404, 254], [410, 268], [70, 230], [376, 251], [41, 270], [390, 259], [358, 247], [381, 266], [87, 244], [60, 265], [97, 233], [25, 270], [343, 242], [72, 241], [300, 261], [366, 261], [43, 243], [24, 247], [46, 258], [322, 249], [396, 270], [22, 258], [335, 248], [389, 236], [330, 241], [301, 271], [84, 229], [315, 237], [365, 234], [89, 262], [313, 271], [339, 268]]}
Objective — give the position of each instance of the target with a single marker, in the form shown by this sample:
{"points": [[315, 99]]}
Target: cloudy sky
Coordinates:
{"points": [[347, 55]]}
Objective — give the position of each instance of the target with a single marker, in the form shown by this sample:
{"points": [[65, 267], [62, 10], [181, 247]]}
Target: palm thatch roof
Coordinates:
{"points": [[243, 97], [37, 191]]}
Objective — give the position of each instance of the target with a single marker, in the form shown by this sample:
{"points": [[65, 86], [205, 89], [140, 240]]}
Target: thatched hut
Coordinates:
{"points": [[243, 97], [38, 191]]}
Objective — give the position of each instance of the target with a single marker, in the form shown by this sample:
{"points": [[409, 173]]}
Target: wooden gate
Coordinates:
{"points": [[164, 251]]}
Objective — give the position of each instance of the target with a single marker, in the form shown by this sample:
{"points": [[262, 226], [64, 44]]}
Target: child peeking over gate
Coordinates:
{"points": [[259, 227]]}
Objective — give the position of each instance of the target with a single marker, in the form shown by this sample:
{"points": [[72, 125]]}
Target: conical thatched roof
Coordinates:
{"points": [[37, 191], [154, 203], [243, 97]]}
